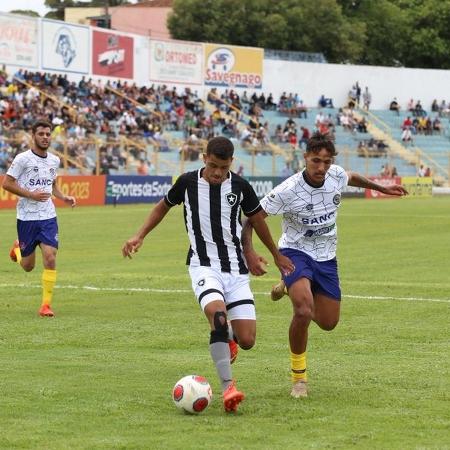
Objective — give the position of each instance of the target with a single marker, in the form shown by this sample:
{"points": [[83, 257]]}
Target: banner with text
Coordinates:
{"points": [[88, 190], [176, 62], [112, 55], [136, 189], [18, 40], [418, 186], [233, 67], [384, 181], [65, 47]]}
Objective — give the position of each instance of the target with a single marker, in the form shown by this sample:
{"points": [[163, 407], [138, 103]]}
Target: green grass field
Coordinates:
{"points": [[99, 375]]}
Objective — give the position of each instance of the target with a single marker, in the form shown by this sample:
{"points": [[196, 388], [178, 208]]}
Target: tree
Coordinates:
{"points": [[25, 12], [299, 25]]}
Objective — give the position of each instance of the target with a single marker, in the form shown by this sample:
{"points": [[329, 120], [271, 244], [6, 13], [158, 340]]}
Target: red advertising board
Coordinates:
{"points": [[112, 55], [384, 181], [88, 190]]}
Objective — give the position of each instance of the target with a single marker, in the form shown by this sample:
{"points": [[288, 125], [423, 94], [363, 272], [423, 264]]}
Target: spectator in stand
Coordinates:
{"points": [[394, 106], [410, 106], [325, 102], [407, 135], [367, 99], [421, 172], [304, 138], [435, 106]]}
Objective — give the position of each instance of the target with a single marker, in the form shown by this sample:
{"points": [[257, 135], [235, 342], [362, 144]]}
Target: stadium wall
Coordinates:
{"points": [[34, 44], [123, 189]]}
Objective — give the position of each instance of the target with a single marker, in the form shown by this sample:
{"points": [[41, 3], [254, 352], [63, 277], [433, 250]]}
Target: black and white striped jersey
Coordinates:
{"points": [[212, 214]]}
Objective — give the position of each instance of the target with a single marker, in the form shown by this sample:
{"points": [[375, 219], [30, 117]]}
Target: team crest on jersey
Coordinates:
{"points": [[309, 207], [36, 168], [337, 199], [231, 198]]}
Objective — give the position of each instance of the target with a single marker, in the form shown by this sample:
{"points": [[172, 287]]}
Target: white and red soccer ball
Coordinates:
{"points": [[192, 394]]}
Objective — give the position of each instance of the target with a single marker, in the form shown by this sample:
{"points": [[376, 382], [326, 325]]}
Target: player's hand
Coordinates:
{"points": [[256, 263], [395, 189], [40, 196], [71, 201], [285, 265], [131, 246]]}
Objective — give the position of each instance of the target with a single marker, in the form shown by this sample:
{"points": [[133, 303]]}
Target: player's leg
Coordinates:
{"points": [[326, 311], [208, 288], [49, 248], [303, 307], [23, 250], [327, 294]]}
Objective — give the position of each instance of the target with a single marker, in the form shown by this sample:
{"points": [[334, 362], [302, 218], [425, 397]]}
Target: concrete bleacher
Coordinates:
{"points": [[436, 146]]}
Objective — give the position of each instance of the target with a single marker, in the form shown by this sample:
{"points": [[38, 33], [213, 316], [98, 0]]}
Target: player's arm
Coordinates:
{"points": [[357, 180], [262, 230], [71, 201], [10, 184], [154, 218]]}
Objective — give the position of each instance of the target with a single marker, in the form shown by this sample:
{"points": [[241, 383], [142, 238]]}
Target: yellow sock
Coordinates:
{"points": [[298, 367], [48, 283], [18, 254]]}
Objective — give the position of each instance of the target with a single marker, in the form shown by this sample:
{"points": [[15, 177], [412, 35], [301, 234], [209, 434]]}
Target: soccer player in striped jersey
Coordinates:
{"points": [[213, 199], [309, 203], [32, 177]]}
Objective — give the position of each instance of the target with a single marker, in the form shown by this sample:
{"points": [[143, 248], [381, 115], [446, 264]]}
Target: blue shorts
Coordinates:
{"points": [[33, 232], [322, 274]]}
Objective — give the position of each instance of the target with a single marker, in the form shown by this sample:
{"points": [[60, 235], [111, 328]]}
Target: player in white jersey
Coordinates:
{"points": [[213, 199], [32, 177], [309, 202]]}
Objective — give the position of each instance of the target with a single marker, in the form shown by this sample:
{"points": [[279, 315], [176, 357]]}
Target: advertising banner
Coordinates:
{"points": [[88, 190], [263, 185], [418, 186], [7, 200], [136, 189], [18, 40], [176, 62], [230, 66], [65, 47], [384, 181], [112, 55]]}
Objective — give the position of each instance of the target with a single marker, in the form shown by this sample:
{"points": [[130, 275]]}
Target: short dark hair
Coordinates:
{"points": [[41, 123], [318, 141], [221, 147]]}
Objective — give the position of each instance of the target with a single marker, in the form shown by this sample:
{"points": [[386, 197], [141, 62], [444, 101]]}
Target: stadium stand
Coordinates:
{"points": [[121, 128]]}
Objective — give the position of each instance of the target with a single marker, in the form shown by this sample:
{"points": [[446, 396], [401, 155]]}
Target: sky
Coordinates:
{"points": [[34, 5]]}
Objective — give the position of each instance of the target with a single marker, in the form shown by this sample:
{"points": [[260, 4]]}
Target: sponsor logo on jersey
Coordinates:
{"points": [[36, 168], [337, 199], [320, 231], [41, 182], [309, 207], [231, 198], [318, 220], [201, 282]]}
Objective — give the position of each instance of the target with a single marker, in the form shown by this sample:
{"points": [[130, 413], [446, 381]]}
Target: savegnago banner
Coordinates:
{"points": [[232, 66], [18, 40]]}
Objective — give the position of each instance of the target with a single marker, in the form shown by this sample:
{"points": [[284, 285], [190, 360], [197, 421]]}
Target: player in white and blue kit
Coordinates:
{"points": [[309, 202], [32, 177]]}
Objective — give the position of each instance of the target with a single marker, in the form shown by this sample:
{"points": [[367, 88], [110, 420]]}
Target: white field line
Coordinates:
{"points": [[185, 291]]}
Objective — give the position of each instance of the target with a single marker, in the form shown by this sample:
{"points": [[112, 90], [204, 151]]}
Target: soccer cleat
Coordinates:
{"points": [[234, 349], [278, 291], [300, 389], [46, 311], [232, 397], [12, 252]]}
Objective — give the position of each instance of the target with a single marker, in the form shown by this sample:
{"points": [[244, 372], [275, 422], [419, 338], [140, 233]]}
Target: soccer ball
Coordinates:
{"points": [[192, 394]]}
